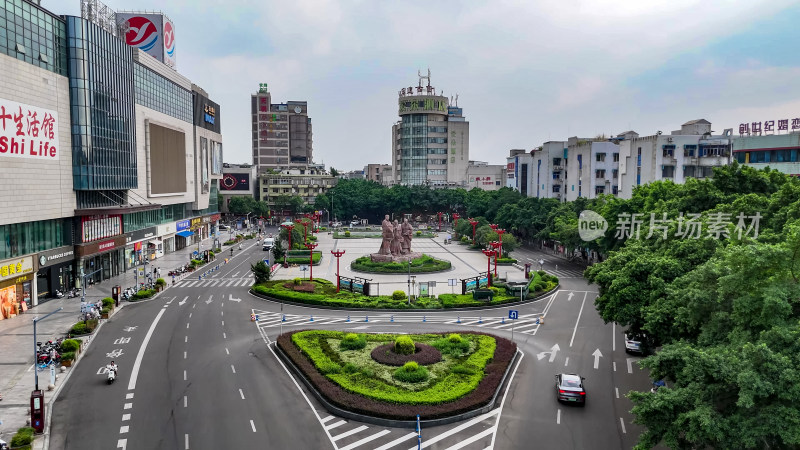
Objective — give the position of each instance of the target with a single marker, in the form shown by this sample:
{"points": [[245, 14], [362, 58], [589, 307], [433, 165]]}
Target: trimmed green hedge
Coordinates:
{"points": [[423, 264], [506, 260], [301, 257], [24, 436]]}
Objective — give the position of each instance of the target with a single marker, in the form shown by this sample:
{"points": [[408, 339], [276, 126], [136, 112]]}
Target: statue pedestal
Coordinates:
{"points": [[375, 257]]}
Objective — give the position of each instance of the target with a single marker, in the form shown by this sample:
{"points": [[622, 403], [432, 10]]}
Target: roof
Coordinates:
{"points": [[696, 121], [627, 132]]}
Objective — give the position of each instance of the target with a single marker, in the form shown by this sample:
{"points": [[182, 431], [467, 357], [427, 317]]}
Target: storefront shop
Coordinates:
{"points": [[166, 233], [17, 285], [137, 247], [183, 237], [102, 260], [56, 272]]}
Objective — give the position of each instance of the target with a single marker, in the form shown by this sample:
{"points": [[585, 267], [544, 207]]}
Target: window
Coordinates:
{"points": [[600, 173], [616, 157], [600, 157], [614, 190], [556, 161], [615, 173], [599, 189], [556, 188], [668, 172]]}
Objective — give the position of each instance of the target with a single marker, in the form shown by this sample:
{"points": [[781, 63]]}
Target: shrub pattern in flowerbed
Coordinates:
{"points": [[352, 380], [423, 264], [424, 354]]}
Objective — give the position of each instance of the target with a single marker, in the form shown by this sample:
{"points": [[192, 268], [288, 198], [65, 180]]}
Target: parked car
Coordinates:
{"points": [[354, 223], [569, 388], [638, 343]]}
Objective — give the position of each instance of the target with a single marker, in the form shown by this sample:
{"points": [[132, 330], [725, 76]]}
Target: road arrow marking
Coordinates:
{"points": [[209, 299], [597, 355], [183, 302], [237, 300], [552, 353], [569, 296], [630, 368]]}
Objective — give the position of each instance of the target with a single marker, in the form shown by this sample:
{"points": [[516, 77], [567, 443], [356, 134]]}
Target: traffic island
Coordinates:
{"points": [[453, 377]]}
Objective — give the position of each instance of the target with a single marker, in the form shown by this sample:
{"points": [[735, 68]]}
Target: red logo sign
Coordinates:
{"points": [[142, 33]]}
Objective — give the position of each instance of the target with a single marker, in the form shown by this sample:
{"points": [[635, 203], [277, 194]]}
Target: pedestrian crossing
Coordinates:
{"points": [[219, 282], [526, 324], [473, 434]]}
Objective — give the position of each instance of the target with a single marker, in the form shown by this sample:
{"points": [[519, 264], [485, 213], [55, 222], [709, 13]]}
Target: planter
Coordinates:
{"points": [[67, 363]]}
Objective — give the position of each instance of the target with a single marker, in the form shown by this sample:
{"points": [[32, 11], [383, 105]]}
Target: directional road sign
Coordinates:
{"points": [[513, 314]]}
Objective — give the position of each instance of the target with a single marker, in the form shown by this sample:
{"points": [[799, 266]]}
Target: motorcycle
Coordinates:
{"points": [[112, 375], [73, 293], [3, 445], [59, 294]]}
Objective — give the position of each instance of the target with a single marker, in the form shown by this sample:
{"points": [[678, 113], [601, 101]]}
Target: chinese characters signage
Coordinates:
{"points": [[182, 225], [99, 227], [768, 127], [209, 113], [28, 131], [428, 104], [16, 267]]}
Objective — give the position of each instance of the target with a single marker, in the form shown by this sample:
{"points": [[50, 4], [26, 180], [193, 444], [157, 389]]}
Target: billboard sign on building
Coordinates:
{"points": [[28, 131], [235, 182], [151, 33]]}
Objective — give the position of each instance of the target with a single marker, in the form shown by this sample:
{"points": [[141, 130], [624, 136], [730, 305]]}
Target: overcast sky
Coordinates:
{"points": [[525, 71]]}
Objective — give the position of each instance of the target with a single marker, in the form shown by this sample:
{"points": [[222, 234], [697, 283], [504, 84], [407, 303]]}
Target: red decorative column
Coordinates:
{"points": [[338, 254], [289, 229], [496, 245], [311, 248], [474, 223], [489, 254]]}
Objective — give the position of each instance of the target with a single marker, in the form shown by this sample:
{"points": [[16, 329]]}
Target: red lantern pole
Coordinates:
{"points": [[289, 229], [474, 223], [440, 220], [496, 245], [310, 248], [500, 233], [338, 254], [489, 253], [455, 219]]}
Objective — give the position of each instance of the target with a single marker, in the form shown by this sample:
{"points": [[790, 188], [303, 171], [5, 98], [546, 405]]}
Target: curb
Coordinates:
{"points": [[392, 422], [411, 310]]}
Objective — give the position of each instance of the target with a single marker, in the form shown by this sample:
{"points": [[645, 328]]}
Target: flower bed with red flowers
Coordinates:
{"points": [[466, 378]]}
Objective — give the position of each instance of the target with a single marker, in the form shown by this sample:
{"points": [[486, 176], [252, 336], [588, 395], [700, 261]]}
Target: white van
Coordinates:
{"points": [[267, 244]]}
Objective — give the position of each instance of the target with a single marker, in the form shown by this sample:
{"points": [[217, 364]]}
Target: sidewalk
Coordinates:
{"points": [[16, 341]]}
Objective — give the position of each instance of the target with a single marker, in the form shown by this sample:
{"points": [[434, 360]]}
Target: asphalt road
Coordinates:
{"points": [[207, 379]]}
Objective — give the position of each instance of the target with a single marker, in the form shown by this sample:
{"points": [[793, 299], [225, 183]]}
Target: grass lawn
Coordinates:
{"points": [[423, 264], [343, 367]]}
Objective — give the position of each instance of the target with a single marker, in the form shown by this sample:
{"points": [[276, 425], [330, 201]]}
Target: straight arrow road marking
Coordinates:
{"points": [[569, 296], [597, 355]]}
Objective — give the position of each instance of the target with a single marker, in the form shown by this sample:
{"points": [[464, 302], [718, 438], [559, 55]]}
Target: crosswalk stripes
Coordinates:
{"points": [[472, 434], [218, 282]]}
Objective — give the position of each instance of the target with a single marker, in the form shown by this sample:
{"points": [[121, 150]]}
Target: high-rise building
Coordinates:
{"points": [[282, 135], [430, 143]]}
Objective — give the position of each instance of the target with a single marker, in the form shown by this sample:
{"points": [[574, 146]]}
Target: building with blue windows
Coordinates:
{"points": [[776, 151], [102, 149]]}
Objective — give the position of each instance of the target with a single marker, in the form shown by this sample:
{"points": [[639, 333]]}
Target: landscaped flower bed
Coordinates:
{"points": [[423, 264], [465, 377]]}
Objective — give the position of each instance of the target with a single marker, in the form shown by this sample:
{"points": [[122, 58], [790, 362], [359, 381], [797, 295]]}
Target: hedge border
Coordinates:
{"points": [[306, 366], [402, 272], [379, 310]]}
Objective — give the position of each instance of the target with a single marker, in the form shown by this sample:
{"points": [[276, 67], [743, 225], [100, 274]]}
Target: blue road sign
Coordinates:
{"points": [[266, 261], [513, 314]]}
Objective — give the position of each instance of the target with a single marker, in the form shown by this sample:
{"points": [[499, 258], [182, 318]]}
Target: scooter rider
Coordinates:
{"points": [[112, 367]]}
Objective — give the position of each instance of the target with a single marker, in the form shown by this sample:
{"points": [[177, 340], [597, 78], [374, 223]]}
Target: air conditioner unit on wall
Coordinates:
{"points": [[669, 139]]}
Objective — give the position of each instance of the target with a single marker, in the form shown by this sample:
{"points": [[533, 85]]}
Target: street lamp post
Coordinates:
{"points": [[474, 223], [338, 254], [489, 254], [496, 245], [310, 248]]}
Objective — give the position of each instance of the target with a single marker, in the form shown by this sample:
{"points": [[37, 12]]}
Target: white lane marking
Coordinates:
{"points": [[126, 417], [128, 406], [622, 422], [253, 425], [123, 429], [129, 396], [223, 323], [184, 355], [630, 368], [558, 417], [222, 313], [187, 326], [138, 363], [184, 375], [186, 439], [348, 433], [184, 401], [227, 352], [616, 391], [566, 361], [502, 403], [327, 419], [233, 368], [459, 428], [122, 443], [186, 339], [397, 441], [613, 336], [241, 393], [579, 319], [614, 363], [224, 336], [472, 439], [190, 315], [193, 306], [339, 423], [365, 440]]}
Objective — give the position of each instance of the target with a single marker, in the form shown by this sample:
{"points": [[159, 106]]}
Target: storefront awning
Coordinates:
{"points": [[184, 233], [155, 243]]}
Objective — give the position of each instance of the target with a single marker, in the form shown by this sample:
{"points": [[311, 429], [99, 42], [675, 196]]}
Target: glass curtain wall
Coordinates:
{"points": [[33, 35]]}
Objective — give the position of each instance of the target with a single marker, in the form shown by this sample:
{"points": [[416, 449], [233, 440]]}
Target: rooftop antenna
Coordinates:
{"points": [[423, 77], [456, 100]]}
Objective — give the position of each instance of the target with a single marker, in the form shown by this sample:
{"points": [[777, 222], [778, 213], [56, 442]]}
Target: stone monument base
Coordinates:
{"points": [[378, 258]]}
